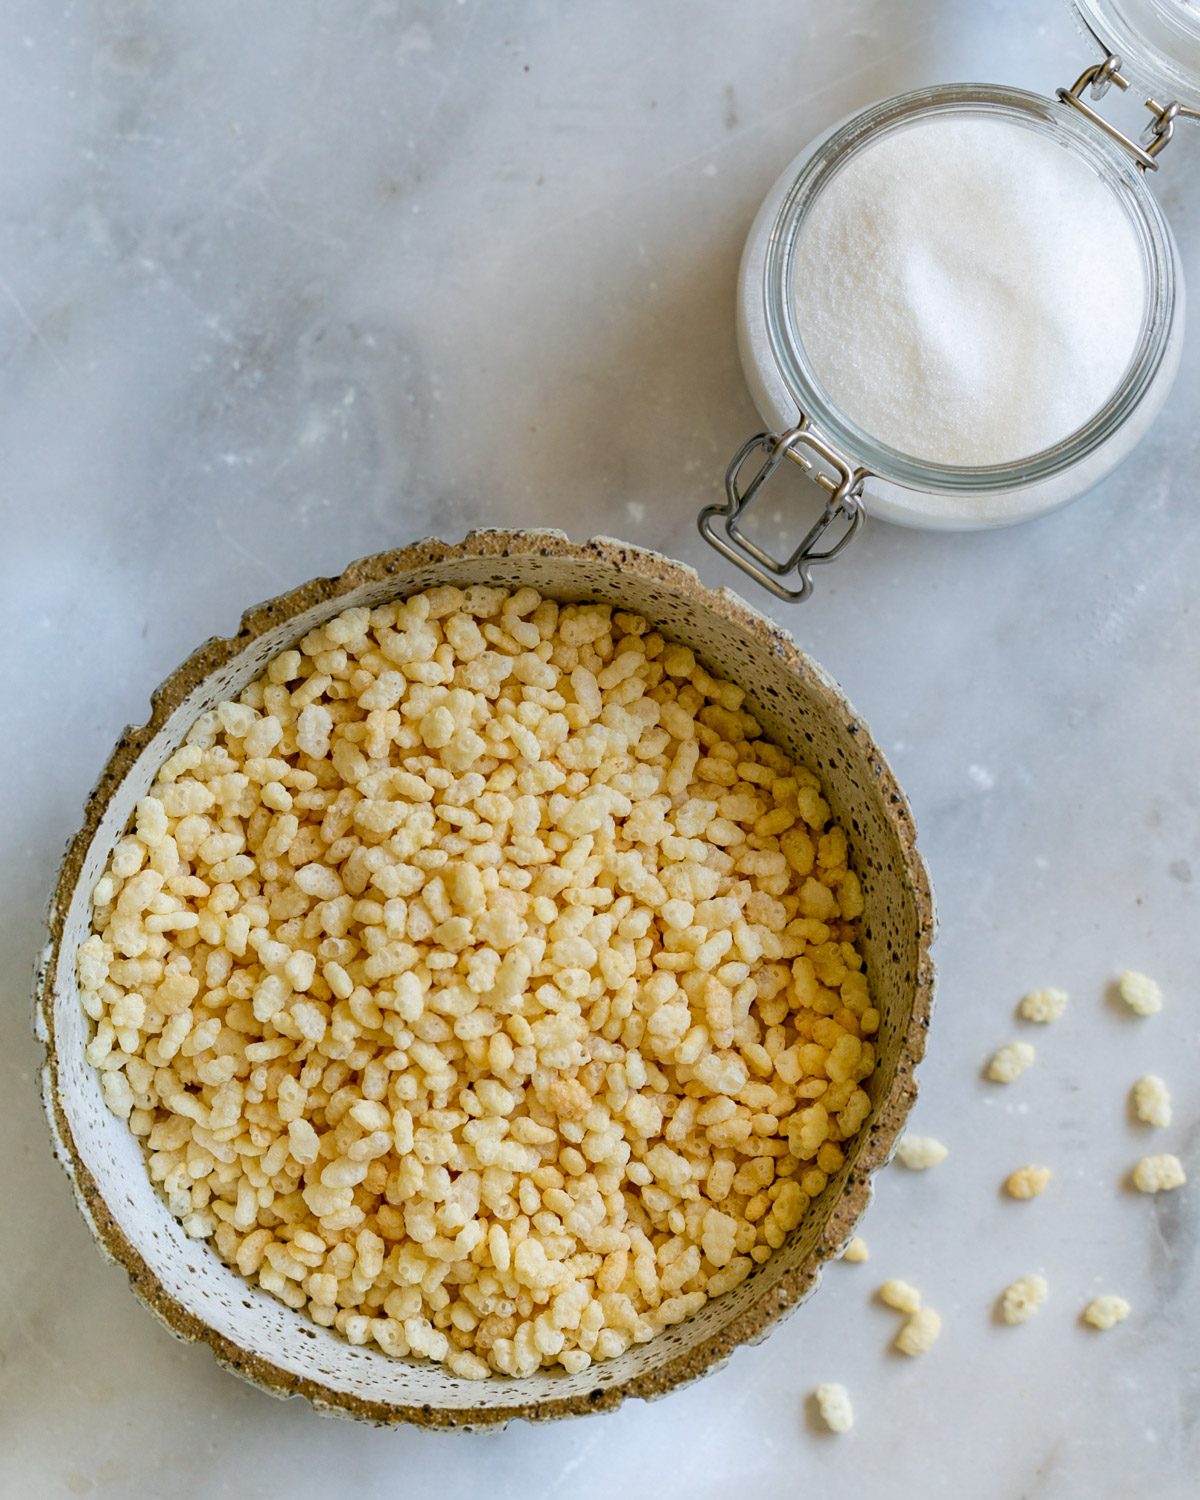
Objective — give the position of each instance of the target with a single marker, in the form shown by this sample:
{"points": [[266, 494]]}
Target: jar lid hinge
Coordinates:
{"points": [[1096, 80], [833, 530]]}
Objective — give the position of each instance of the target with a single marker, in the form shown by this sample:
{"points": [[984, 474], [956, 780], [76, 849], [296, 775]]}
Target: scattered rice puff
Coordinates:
{"points": [[1159, 1174], [1152, 1101], [856, 1251], [833, 1402], [1028, 1182], [1107, 1311], [918, 1152], [1023, 1298], [436, 976], [1010, 1062], [1043, 1006], [920, 1332], [900, 1295], [1140, 993]]}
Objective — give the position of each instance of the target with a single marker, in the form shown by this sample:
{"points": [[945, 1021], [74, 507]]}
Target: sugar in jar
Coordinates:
{"points": [[960, 308]]}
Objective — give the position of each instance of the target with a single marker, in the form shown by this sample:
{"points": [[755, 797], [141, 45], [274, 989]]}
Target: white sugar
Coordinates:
{"points": [[967, 291]]}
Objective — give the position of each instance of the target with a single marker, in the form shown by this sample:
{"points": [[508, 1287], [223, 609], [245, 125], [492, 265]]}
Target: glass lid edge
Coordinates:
{"points": [[1158, 42]]}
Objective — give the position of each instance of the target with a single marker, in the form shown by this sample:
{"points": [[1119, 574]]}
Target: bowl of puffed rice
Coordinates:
{"points": [[486, 984]]}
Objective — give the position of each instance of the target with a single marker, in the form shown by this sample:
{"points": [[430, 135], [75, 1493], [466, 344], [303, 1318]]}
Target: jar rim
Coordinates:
{"points": [[1052, 119]]}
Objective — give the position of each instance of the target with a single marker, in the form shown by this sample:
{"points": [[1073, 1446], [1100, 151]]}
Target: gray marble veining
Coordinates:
{"points": [[284, 284]]}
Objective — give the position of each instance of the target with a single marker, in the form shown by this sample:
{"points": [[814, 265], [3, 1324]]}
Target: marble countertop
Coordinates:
{"points": [[284, 284]]}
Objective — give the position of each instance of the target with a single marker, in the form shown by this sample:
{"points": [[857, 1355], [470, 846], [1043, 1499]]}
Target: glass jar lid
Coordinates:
{"points": [[1158, 42]]}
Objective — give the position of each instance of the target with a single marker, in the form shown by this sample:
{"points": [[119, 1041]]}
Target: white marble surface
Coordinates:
{"points": [[282, 284]]}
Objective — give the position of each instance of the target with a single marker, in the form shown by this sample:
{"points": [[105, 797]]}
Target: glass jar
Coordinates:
{"points": [[856, 471]]}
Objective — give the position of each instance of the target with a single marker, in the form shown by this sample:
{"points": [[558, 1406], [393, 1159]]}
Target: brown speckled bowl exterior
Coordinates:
{"points": [[185, 1284]]}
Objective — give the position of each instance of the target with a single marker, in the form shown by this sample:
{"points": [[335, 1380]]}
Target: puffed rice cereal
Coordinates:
{"points": [[833, 1402], [1107, 1311], [1159, 1174], [1152, 1101], [919, 1152], [1023, 1298], [920, 1332], [1043, 1006], [482, 983], [856, 1251], [1028, 1182], [1140, 993], [1010, 1062], [900, 1295]]}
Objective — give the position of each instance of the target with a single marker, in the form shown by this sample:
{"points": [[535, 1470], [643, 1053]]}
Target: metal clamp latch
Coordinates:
{"points": [[1157, 133], [843, 513]]}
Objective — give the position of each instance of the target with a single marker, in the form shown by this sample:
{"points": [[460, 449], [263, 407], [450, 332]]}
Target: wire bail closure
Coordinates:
{"points": [[1157, 133], [720, 524]]}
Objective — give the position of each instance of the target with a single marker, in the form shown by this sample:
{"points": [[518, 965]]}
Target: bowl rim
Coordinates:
{"points": [[755, 1321]]}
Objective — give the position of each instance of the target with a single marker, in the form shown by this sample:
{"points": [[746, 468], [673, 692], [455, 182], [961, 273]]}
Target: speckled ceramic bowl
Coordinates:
{"points": [[184, 1282]]}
